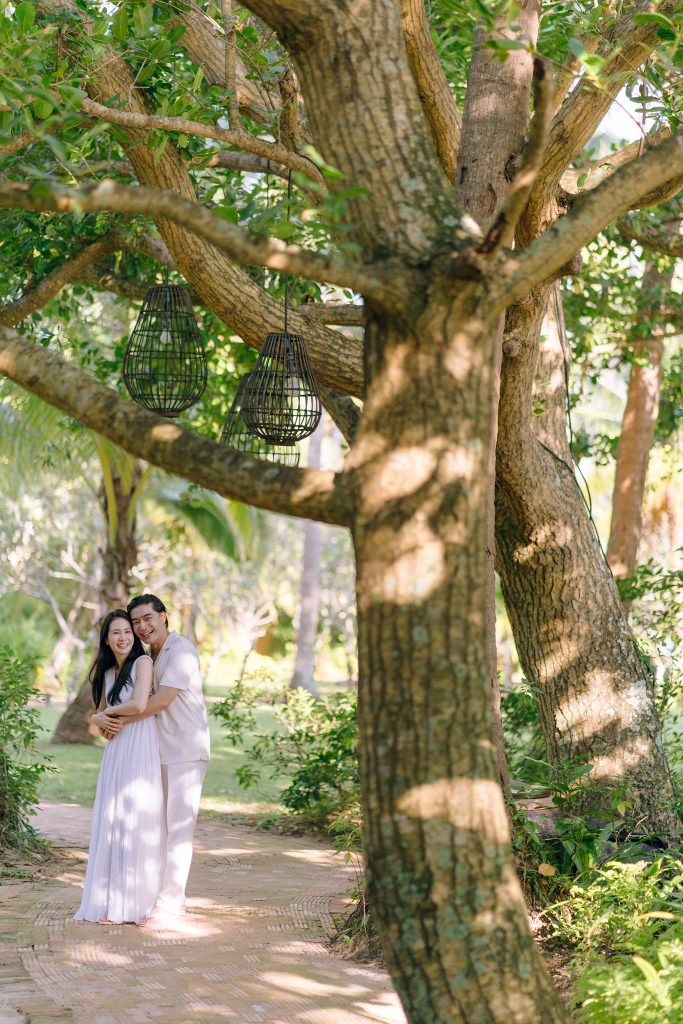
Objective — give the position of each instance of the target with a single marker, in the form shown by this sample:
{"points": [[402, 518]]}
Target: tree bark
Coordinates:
{"points": [[595, 694], [637, 435], [442, 882], [309, 602]]}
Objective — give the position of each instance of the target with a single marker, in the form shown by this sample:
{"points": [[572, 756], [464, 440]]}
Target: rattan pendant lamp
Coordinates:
{"points": [[164, 365], [280, 401]]}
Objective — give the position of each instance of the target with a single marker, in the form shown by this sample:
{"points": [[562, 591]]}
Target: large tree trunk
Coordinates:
{"points": [[450, 911], [119, 557], [595, 694], [637, 434], [309, 602]]}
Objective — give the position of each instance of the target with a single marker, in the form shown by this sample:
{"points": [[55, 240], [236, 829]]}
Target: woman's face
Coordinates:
{"points": [[120, 638]]}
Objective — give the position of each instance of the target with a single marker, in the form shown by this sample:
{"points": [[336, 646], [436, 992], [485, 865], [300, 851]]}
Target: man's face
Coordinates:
{"points": [[149, 625]]}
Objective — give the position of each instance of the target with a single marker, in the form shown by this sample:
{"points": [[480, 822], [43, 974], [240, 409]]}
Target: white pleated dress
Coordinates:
{"points": [[127, 840]]}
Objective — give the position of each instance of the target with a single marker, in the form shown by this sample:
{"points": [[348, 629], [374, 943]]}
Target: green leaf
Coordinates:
{"points": [[652, 18], [581, 180], [119, 25], [284, 230], [227, 213], [42, 108], [56, 147], [159, 149], [26, 15], [197, 80], [160, 49], [576, 47], [143, 15]]}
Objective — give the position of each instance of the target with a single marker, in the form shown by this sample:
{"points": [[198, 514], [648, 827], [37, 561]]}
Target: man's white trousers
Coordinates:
{"points": [[182, 784]]}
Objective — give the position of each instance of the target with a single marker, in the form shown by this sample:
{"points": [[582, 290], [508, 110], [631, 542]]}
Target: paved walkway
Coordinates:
{"points": [[252, 948]]}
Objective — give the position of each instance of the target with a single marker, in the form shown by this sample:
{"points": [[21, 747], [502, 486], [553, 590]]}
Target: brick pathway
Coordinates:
{"points": [[251, 951]]}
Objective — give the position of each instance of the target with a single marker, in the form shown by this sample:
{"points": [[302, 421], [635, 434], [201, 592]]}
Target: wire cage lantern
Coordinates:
{"points": [[280, 400], [236, 435], [164, 365]]}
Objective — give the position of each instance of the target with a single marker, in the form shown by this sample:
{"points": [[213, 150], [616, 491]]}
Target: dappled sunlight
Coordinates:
{"points": [[89, 951], [600, 701], [418, 568], [464, 357], [308, 986], [401, 472], [557, 535], [167, 432], [312, 856], [458, 801]]}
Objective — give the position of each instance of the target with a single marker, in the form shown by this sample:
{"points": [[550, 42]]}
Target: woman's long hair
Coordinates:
{"points": [[105, 659]]}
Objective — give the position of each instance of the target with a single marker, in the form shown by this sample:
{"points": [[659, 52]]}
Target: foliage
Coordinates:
{"points": [[632, 914], [314, 749], [636, 989], [20, 768], [619, 907]]}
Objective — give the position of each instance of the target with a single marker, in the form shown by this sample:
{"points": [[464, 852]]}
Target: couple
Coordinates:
{"points": [[151, 709]]}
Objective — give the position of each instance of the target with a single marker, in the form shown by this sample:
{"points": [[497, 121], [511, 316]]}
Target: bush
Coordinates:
{"points": [[636, 990], [315, 748], [20, 767]]}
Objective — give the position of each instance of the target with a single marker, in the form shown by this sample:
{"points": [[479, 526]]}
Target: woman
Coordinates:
{"points": [[126, 843]]}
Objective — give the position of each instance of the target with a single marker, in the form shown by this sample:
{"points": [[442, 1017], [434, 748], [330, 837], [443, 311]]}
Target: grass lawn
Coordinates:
{"points": [[76, 778]]}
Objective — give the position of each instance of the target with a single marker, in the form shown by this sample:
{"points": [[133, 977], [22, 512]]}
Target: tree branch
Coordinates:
{"points": [[230, 45], [344, 411], [652, 238], [502, 231], [598, 170], [243, 140], [67, 272], [306, 493], [385, 287], [248, 162], [626, 48], [541, 259], [341, 314], [435, 93], [18, 142], [203, 42]]}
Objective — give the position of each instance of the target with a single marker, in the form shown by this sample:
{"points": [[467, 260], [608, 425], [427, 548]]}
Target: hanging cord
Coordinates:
{"points": [[289, 217], [574, 467]]}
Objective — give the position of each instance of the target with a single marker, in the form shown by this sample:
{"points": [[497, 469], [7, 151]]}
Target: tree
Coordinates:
{"points": [[641, 412], [415, 485]]}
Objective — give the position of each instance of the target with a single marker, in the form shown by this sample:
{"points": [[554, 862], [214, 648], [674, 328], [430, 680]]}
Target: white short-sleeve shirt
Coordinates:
{"points": [[182, 728]]}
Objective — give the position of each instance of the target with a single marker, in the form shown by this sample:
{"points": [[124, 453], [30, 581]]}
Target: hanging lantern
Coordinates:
{"points": [[236, 435], [281, 401], [164, 366]]}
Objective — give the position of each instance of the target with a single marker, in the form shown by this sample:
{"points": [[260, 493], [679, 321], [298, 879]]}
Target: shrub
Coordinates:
{"points": [[314, 748], [20, 767], [635, 989]]}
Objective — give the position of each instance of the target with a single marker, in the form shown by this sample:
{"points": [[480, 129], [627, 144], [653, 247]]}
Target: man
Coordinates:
{"points": [[183, 731]]}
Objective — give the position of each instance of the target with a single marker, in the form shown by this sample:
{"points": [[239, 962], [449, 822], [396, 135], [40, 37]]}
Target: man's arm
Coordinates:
{"points": [[157, 702]]}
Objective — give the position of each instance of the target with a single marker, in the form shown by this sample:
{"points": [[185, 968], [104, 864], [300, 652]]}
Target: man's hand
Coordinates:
{"points": [[108, 724]]}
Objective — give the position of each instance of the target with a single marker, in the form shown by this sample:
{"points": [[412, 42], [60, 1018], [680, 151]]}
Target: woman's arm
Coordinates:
{"points": [[141, 691]]}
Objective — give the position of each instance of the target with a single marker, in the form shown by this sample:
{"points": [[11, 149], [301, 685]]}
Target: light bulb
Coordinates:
{"points": [[165, 335]]}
